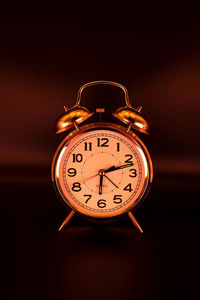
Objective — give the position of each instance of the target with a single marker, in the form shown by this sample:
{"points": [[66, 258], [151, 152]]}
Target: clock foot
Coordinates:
{"points": [[66, 220], [135, 222]]}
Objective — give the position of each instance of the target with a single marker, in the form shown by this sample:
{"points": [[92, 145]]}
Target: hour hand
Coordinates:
{"points": [[113, 168], [100, 184]]}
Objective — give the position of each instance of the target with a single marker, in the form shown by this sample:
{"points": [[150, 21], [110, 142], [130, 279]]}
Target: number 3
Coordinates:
{"points": [[133, 172]]}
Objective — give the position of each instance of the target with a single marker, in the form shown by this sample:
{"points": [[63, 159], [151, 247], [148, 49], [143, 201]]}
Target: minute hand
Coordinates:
{"points": [[113, 168]]}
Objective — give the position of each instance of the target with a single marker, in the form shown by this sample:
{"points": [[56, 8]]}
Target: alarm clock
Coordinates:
{"points": [[102, 170]]}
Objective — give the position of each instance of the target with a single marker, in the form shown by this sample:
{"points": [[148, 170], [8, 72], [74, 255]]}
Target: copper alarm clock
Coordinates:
{"points": [[102, 170]]}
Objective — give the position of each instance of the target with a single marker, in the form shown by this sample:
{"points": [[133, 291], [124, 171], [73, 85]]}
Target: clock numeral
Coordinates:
{"points": [[88, 198], [77, 157], [118, 147], [88, 146], [101, 203], [76, 187], [133, 172], [72, 172], [117, 199], [128, 188], [129, 160], [102, 142]]}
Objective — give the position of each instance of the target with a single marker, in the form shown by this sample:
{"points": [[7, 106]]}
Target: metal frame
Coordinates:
{"points": [[112, 127]]}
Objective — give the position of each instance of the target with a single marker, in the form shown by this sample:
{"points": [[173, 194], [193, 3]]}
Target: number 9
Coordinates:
{"points": [[72, 172]]}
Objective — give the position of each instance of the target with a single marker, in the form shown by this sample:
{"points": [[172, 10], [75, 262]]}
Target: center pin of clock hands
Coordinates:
{"points": [[102, 174]]}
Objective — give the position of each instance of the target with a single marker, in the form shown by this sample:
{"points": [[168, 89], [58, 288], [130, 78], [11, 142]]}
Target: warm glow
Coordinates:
{"points": [[102, 173], [59, 160], [144, 161], [138, 124]]}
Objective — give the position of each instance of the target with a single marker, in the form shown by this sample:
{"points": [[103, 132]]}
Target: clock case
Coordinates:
{"points": [[133, 119], [115, 128]]}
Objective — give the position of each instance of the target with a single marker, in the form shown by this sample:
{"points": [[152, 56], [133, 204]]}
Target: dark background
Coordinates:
{"points": [[47, 52]]}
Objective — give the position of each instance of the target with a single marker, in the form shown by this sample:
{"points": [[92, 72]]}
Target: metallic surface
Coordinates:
{"points": [[78, 114], [135, 222], [115, 128], [66, 220], [133, 118], [75, 114], [92, 83]]}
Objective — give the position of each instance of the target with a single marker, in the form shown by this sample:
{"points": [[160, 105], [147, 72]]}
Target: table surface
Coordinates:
{"points": [[101, 261]]}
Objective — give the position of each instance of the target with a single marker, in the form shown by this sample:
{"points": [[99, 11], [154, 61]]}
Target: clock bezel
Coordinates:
{"points": [[115, 128]]}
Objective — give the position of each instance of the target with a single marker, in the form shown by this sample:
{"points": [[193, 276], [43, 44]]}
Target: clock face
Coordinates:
{"points": [[101, 173]]}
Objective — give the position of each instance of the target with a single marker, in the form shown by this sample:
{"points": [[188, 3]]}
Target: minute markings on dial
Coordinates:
{"points": [[106, 190]]}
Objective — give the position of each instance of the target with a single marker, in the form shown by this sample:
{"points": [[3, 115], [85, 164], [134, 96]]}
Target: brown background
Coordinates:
{"points": [[46, 53]]}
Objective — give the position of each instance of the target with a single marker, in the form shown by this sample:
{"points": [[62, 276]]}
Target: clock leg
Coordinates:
{"points": [[66, 220], [135, 222]]}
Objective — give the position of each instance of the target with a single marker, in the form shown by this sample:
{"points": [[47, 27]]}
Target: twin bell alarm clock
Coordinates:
{"points": [[102, 170]]}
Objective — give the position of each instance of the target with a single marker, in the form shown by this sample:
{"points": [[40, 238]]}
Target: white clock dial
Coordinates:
{"points": [[101, 173]]}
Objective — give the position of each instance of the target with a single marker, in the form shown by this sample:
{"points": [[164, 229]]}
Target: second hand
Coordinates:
{"points": [[111, 181]]}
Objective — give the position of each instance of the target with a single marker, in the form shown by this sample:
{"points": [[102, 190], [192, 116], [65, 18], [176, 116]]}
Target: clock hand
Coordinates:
{"points": [[113, 168], [111, 181], [100, 184], [88, 178]]}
